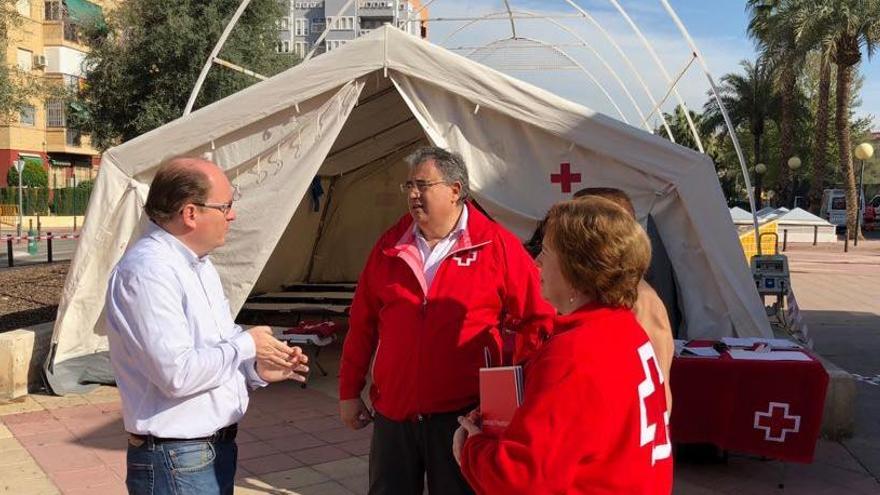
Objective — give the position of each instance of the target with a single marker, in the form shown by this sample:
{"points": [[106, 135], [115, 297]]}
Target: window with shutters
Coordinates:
{"points": [[55, 113]]}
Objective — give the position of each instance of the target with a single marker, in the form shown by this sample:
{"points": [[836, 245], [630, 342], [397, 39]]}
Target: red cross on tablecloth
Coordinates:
{"points": [[776, 422], [565, 177]]}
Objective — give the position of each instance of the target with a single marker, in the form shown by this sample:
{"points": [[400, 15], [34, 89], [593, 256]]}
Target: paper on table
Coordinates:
{"points": [[769, 356], [750, 341], [699, 351], [679, 345]]}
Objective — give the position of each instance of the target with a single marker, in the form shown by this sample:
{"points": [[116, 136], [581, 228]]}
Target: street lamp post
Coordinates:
{"points": [[863, 152], [794, 163], [19, 167], [760, 169]]}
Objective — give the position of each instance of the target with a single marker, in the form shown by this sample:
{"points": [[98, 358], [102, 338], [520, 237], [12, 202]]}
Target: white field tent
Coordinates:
{"points": [[350, 117], [741, 217], [802, 226]]}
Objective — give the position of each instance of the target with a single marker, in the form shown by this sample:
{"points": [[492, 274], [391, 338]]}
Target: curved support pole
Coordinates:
{"points": [[216, 51], [510, 15], [602, 60], [573, 61], [663, 71], [730, 128], [583, 41], [326, 30], [626, 60]]}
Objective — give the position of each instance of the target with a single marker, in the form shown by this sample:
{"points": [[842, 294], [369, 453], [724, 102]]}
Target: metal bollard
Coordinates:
{"points": [[9, 251], [49, 247], [815, 234], [845, 240], [32, 241], [784, 239]]}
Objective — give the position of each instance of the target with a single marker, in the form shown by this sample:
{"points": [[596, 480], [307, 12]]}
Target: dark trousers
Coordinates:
{"points": [[181, 468], [402, 452]]}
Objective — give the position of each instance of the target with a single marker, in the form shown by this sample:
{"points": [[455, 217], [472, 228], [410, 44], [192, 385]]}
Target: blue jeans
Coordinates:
{"points": [[181, 468]]}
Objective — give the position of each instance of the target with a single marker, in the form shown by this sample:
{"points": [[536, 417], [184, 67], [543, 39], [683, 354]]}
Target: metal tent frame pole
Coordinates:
{"points": [[730, 128], [216, 51], [568, 57], [583, 43]]}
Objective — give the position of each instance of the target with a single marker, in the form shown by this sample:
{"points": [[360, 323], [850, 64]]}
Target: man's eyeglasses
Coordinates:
{"points": [[421, 185], [221, 207]]}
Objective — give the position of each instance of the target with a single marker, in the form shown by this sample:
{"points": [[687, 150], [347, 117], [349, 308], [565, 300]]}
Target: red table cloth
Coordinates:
{"points": [[767, 408]]}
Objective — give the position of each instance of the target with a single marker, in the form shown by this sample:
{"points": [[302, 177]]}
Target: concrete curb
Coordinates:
{"points": [[838, 416], [22, 354]]}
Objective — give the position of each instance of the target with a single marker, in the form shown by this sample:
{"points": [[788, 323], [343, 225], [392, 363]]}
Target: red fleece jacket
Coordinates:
{"points": [[593, 420], [426, 345]]}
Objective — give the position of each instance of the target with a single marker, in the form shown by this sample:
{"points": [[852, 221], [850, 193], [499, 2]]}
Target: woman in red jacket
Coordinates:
{"points": [[594, 416]]}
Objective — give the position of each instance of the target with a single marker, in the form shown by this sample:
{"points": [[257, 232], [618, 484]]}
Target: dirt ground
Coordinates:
{"points": [[30, 294]]}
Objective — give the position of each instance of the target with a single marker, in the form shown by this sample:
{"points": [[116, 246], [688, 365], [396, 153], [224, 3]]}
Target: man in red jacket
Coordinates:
{"points": [[427, 311]]}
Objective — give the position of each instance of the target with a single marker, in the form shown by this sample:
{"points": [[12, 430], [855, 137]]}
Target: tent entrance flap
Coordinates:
{"points": [[331, 234]]}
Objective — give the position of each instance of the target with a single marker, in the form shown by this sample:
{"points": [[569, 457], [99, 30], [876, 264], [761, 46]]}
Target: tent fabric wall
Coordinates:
{"points": [[517, 160], [363, 204], [350, 116], [300, 140]]}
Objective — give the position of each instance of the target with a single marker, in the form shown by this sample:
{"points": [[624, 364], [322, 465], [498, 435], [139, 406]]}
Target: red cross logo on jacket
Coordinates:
{"points": [[465, 259]]}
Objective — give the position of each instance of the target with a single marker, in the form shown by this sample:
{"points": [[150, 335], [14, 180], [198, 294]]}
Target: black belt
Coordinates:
{"points": [[226, 434], [418, 418]]}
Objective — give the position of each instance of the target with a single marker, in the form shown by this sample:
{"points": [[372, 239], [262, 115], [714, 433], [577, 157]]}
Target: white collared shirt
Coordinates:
{"points": [[431, 258], [182, 365]]}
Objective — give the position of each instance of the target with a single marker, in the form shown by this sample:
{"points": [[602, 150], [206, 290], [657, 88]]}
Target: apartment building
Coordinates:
{"points": [[47, 44], [300, 28]]}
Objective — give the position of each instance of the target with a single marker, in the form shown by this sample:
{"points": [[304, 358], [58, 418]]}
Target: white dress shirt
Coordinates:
{"points": [[182, 365], [431, 258]]}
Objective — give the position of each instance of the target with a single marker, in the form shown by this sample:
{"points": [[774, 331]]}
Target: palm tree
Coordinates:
{"points": [[771, 26], [819, 152], [751, 101], [680, 128], [843, 27]]}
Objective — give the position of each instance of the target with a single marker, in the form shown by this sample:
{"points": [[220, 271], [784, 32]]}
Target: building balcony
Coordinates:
{"points": [[65, 140], [62, 33], [376, 14]]}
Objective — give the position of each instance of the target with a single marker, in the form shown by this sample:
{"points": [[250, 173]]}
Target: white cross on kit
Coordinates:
{"points": [[466, 260]]}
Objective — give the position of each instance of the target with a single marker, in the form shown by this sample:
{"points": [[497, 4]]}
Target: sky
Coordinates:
{"points": [[717, 26]]}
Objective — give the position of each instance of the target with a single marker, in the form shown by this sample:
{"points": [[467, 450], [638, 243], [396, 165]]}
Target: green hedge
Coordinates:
{"points": [[34, 200], [72, 200]]}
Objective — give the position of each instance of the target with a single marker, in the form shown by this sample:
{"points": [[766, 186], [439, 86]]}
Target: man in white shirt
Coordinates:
{"points": [[182, 365]]}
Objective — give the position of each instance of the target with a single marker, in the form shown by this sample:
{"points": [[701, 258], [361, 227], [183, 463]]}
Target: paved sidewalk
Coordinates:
{"points": [[291, 441]]}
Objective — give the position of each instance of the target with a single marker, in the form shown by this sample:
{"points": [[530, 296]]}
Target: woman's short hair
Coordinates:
{"points": [[602, 251], [610, 193], [176, 183]]}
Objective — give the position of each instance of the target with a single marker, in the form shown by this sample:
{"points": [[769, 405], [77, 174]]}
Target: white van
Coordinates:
{"points": [[833, 206]]}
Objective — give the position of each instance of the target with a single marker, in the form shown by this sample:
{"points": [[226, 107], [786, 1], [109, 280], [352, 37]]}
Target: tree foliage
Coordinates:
{"points": [[32, 175], [845, 28], [145, 60]]}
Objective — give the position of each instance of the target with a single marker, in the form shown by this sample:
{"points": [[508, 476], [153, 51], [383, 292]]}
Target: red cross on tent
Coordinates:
{"points": [[776, 422], [565, 177]]}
